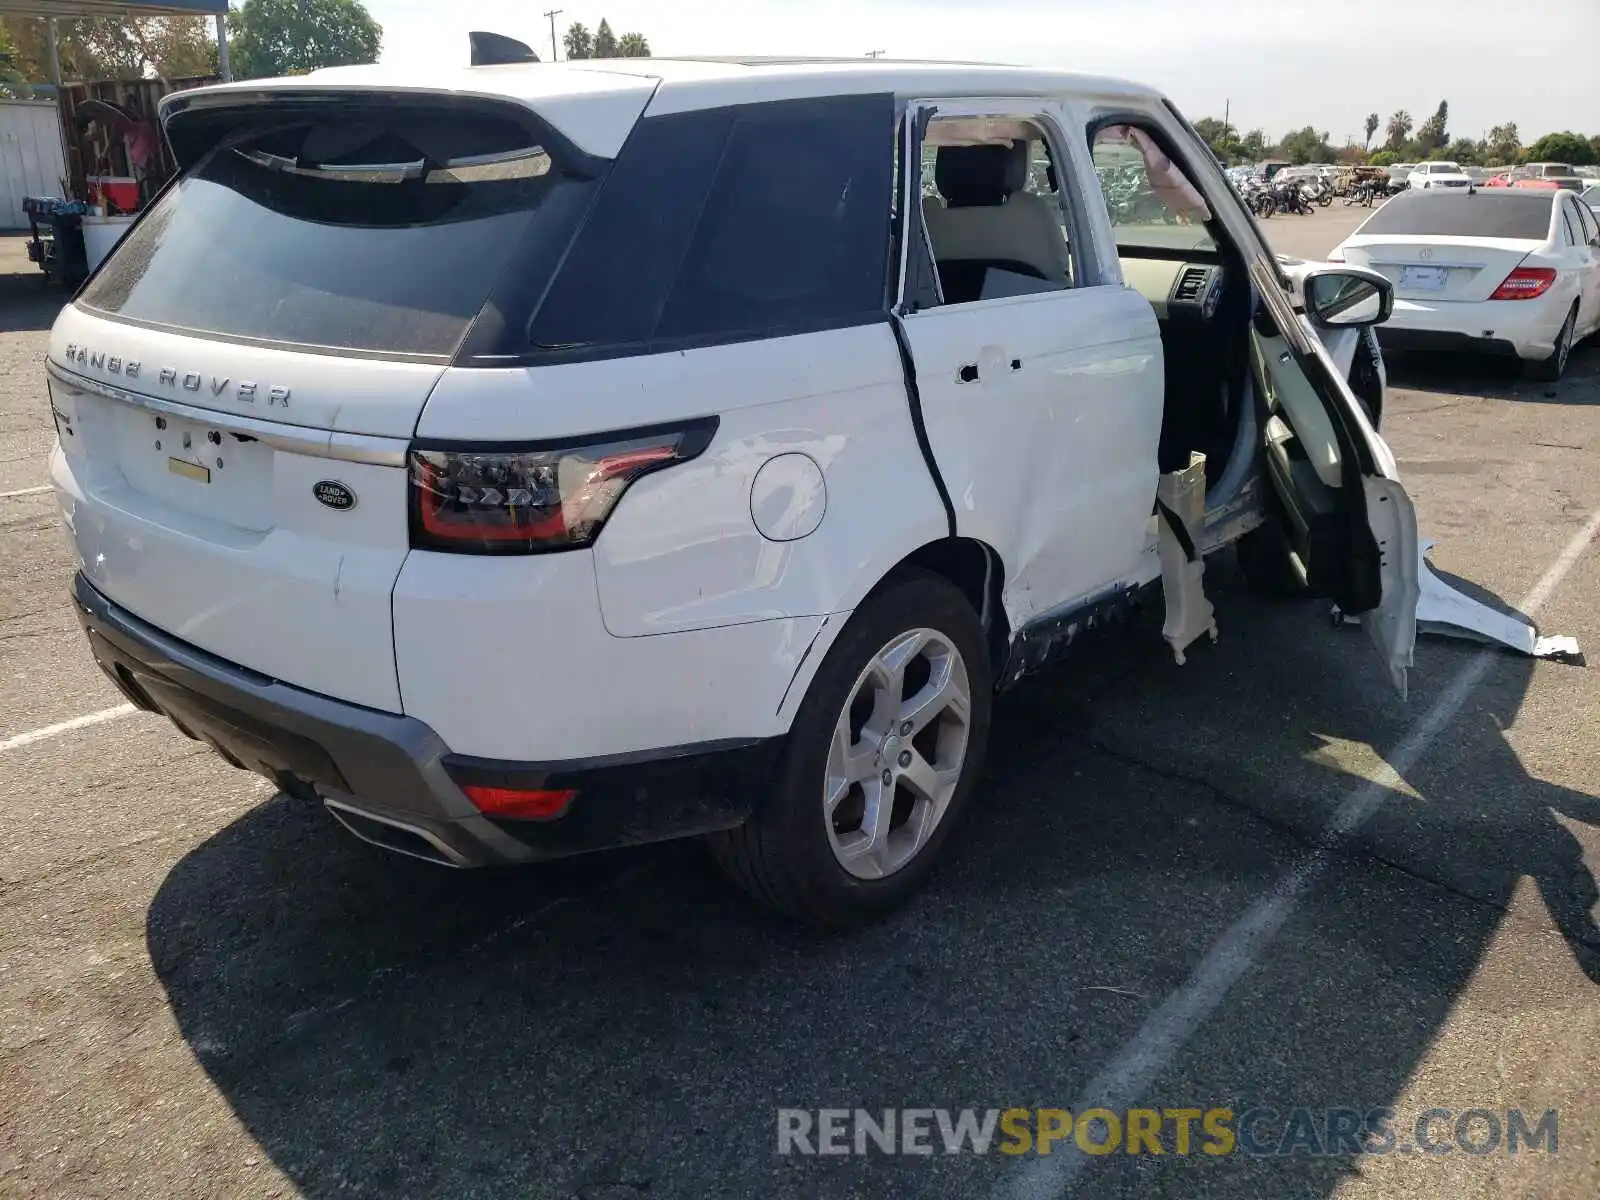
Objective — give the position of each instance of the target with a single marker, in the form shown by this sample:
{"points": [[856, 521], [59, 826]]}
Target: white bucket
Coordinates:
{"points": [[100, 234]]}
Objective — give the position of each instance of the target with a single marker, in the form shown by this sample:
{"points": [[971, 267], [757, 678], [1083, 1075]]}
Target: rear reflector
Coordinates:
{"points": [[522, 803], [1525, 283]]}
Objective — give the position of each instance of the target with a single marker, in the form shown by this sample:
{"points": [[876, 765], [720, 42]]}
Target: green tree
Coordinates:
{"points": [[1306, 145], [1371, 128], [1398, 130], [1464, 151], [1220, 137], [113, 48], [605, 42], [1253, 146], [578, 41], [633, 45], [1565, 147], [1384, 158], [1502, 144], [1432, 134], [12, 81], [291, 37]]}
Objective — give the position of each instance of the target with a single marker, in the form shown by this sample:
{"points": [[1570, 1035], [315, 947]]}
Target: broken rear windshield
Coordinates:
{"points": [[378, 229], [1458, 214]]}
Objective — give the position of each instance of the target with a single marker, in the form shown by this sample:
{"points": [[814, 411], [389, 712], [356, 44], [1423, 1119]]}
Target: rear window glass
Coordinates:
{"points": [[732, 222], [1525, 216], [376, 229]]}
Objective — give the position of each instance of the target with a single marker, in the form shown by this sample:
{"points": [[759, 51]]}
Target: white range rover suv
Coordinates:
{"points": [[532, 459]]}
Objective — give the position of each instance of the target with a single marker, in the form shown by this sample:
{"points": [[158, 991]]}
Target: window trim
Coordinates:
{"points": [[1085, 268], [1579, 212], [1566, 222]]}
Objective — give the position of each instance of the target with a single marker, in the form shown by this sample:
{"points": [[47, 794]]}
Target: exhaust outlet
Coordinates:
{"points": [[401, 837]]}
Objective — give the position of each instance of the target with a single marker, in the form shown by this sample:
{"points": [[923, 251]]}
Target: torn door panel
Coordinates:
{"points": [[1449, 612]]}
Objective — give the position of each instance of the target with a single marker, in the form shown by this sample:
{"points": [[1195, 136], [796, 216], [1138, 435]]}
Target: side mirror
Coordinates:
{"points": [[1346, 296]]}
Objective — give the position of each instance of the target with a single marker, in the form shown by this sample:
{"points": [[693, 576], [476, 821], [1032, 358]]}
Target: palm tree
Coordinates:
{"points": [[633, 45], [1399, 129], [579, 41], [1372, 128]]}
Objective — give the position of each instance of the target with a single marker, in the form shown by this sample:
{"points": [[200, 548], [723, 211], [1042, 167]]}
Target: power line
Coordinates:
{"points": [[553, 14]]}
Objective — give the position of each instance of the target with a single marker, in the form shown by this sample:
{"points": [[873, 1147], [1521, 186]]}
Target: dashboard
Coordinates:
{"points": [[1177, 290]]}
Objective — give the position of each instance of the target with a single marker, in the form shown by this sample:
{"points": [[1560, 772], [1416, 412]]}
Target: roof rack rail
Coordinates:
{"points": [[495, 49]]}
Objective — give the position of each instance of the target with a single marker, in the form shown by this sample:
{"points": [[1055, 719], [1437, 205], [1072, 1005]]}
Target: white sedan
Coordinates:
{"points": [[1438, 174], [1508, 271]]}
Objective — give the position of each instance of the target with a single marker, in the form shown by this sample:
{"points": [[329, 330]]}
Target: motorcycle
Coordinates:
{"points": [[1291, 197], [1258, 196]]}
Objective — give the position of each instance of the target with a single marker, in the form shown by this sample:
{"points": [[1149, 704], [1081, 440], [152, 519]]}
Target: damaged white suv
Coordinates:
{"points": [[539, 458]]}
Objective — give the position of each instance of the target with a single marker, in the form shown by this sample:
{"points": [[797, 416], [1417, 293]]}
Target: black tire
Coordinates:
{"points": [[782, 856], [1265, 562], [1553, 368]]}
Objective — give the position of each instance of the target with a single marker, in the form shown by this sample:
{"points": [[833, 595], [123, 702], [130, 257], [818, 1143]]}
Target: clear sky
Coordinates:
{"points": [[1282, 63]]}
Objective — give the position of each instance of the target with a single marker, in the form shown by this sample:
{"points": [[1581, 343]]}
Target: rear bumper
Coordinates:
{"points": [[1518, 328], [393, 781]]}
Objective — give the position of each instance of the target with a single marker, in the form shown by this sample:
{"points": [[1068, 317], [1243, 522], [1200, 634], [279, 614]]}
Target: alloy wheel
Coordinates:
{"points": [[897, 753]]}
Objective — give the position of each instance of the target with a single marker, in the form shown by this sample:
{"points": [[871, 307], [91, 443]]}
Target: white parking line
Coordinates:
{"points": [[33, 491], [49, 731], [1125, 1079]]}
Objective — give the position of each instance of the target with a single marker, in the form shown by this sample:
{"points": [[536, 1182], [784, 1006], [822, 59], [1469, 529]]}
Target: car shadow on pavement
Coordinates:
{"points": [[28, 302], [625, 1025], [1499, 378]]}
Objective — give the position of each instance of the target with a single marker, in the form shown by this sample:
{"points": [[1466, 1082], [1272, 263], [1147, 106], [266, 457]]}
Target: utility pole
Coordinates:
{"points": [[875, 53], [553, 14], [1227, 107]]}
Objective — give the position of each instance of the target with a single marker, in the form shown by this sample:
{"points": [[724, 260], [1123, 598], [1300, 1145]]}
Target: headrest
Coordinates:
{"points": [[980, 175]]}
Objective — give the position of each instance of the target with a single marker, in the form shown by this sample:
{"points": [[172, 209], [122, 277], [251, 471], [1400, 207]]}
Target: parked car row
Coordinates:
{"points": [[1541, 176]]}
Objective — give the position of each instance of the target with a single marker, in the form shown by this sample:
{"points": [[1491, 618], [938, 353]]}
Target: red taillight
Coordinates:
{"points": [[1525, 283], [527, 804], [522, 501]]}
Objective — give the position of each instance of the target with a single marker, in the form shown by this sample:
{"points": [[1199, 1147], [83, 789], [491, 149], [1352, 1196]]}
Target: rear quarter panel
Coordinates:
{"points": [[682, 551]]}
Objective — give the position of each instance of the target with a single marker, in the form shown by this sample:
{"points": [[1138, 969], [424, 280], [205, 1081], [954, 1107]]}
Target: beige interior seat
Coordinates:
{"points": [[988, 217]]}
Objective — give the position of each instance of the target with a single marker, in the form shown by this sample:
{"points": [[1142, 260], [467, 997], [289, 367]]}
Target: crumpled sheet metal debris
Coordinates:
{"points": [[1447, 612]]}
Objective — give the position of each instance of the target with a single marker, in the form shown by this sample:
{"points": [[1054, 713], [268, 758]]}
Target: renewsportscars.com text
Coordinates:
{"points": [[1180, 1131]]}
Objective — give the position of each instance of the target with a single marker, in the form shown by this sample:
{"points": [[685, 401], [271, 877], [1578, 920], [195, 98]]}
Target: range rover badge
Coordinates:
{"points": [[333, 494]]}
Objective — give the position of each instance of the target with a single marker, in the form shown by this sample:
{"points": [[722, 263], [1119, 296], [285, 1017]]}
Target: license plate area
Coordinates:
{"points": [[195, 466], [189, 470], [1424, 279]]}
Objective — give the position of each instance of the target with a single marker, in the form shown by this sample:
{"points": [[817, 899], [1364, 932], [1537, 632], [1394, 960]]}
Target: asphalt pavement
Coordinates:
{"points": [[1257, 881]]}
